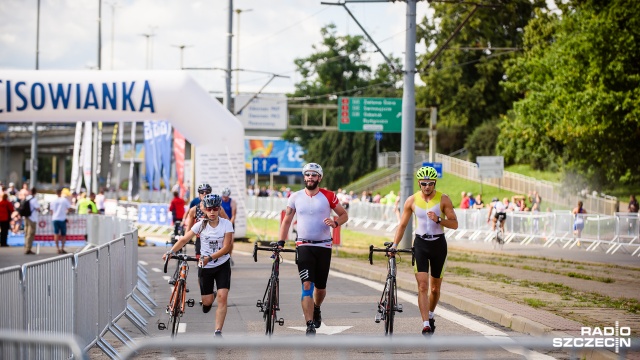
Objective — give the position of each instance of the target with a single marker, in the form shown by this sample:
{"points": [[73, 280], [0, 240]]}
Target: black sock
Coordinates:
{"points": [[205, 308]]}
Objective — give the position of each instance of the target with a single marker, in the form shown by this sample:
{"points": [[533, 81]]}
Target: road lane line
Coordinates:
{"points": [[471, 324]]}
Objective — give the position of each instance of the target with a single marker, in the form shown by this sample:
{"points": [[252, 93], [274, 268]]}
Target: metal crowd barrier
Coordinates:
{"points": [[81, 295], [609, 233]]}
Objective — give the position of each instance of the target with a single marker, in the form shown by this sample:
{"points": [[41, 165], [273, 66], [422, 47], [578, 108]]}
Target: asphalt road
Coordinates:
{"points": [[349, 309]]}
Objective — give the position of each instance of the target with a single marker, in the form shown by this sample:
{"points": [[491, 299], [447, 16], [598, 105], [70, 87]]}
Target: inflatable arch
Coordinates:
{"points": [[124, 96]]}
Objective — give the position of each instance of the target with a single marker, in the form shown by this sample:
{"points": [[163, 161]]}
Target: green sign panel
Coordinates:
{"points": [[370, 114]]}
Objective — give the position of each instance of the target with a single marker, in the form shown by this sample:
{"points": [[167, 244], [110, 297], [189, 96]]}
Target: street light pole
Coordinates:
{"points": [[33, 168], [113, 5], [238, 11], [227, 95], [182, 47]]}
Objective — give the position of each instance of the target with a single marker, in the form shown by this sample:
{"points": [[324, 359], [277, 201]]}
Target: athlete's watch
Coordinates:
{"points": [[335, 221], [439, 220]]}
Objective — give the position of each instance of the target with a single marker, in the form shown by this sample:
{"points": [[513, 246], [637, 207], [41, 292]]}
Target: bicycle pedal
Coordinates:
{"points": [[172, 282], [259, 304], [281, 322], [162, 326], [190, 303], [167, 310], [187, 290], [399, 308], [378, 318]]}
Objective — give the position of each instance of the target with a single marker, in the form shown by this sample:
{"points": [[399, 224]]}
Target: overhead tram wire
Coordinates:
{"points": [[262, 40]]}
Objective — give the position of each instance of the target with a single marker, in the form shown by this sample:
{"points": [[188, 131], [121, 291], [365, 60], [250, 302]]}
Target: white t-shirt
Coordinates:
{"points": [[311, 212], [212, 240], [59, 209], [100, 201], [35, 206]]}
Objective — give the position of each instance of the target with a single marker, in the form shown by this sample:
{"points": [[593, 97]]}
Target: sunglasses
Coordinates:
{"points": [[311, 174], [428, 183], [215, 208], [204, 192]]}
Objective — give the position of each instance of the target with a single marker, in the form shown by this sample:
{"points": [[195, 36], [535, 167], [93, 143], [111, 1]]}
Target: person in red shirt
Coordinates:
{"points": [[177, 210], [6, 208]]}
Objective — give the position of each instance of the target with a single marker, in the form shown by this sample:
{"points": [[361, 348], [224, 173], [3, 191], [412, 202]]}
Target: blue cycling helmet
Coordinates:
{"points": [[212, 200]]}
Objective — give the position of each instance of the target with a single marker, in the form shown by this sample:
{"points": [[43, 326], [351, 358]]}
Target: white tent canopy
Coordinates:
{"points": [[124, 96]]}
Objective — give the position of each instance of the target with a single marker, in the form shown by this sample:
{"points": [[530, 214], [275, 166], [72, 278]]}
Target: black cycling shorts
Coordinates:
{"points": [[430, 254], [313, 265], [220, 275], [500, 216]]}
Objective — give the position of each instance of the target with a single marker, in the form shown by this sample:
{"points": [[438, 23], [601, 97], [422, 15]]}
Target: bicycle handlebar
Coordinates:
{"points": [[274, 248], [388, 249], [181, 257]]}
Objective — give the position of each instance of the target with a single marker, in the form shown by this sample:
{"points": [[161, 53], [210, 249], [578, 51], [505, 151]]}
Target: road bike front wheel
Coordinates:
{"points": [[390, 303], [268, 323], [273, 305], [176, 308]]}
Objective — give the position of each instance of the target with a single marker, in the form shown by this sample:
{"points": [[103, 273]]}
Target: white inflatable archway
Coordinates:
{"points": [[123, 96]]}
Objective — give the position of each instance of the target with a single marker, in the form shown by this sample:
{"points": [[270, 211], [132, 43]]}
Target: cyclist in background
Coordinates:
{"points": [[313, 206], [430, 245], [499, 211], [230, 208], [216, 236]]}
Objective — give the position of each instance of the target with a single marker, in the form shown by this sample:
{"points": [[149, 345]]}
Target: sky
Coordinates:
{"points": [[273, 33]]}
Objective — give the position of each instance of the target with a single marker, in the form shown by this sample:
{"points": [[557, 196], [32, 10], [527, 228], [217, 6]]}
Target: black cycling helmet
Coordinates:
{"points": [[211, 201], [205, 187]]}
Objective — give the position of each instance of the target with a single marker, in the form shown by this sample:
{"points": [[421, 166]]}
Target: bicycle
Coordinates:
{"points": [[177, 233], [270, 303], [177, 301], [498, 238], [388, 304]]}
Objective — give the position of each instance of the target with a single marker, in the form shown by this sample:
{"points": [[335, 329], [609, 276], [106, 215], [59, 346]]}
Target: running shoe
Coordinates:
{"points": [[432, 325], [427, 330], [317, 317], [311, 328], [218, 333]]}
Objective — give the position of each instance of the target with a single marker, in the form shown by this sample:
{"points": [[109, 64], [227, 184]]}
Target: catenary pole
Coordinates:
{"points": [[408, 117]]}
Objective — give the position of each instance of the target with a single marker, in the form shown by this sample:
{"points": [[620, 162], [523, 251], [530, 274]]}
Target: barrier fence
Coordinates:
{"points": [[609, 233], [82, 295]]}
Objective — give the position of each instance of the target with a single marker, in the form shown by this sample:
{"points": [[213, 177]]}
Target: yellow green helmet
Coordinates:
{"points": [[427, 173]]}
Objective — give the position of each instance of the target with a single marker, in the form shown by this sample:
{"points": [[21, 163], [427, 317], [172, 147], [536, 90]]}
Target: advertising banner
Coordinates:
{"points": [[289, 154], [150, 157], [86, 155], [178, 154], [154, 214], [165, 152], [76, 228]]}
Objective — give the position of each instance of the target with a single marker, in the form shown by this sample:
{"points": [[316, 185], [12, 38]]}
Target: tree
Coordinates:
{"points": [[338, 68], [579, 83], [464, 81]]}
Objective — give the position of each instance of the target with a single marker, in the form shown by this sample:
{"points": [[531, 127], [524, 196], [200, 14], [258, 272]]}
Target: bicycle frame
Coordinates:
{"points": [[388, 304], [270, 303], [177, 301]]}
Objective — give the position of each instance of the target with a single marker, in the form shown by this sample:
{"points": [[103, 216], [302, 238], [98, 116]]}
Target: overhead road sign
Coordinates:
{"points": [[268, 165], [490, 167], [435, 165], [370, 114]]}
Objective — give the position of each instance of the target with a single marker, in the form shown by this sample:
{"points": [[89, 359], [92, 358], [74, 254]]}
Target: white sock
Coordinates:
{"points": [[425, 323], [431, 315]]}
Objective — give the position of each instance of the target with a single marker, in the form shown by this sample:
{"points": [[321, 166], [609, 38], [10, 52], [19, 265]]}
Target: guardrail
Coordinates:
{"points": [[348, 346], [609, 233], [82, 295]]}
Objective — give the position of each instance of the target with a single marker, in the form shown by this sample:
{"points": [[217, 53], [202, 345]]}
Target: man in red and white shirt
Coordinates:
{"points": [[313, 207]]}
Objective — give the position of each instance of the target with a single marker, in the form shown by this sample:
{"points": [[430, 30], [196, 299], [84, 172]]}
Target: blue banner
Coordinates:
{"points": [[154, 214], [165, 153], [150, 157], [289, 154]]}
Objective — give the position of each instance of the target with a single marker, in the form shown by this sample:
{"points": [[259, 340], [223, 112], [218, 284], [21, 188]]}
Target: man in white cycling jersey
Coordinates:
{"points": [[313, 207], [499, 211]]}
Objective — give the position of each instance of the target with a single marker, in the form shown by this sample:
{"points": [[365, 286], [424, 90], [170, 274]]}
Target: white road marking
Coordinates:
{"points": [[182, 327], [142, 262], [324, 329], [471, 324], [166, 277], [156, 270]]}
